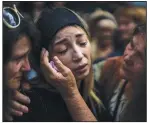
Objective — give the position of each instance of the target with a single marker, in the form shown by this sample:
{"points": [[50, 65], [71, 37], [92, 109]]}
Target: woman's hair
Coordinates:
{"points": [[11, 36]]}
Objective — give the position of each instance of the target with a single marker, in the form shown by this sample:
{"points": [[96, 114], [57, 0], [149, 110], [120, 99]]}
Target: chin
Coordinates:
{"points": [[82, 76]]}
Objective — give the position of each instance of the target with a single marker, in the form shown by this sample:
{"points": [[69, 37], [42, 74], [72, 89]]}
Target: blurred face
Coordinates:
{"points": [[18, 62], [72, 47], [134, 58], [126, 26], [104, 35]]}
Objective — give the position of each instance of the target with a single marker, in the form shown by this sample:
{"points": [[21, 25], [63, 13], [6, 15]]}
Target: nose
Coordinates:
{"points": [[26, 65], [128, 58], [122, 27], [77, 55]]}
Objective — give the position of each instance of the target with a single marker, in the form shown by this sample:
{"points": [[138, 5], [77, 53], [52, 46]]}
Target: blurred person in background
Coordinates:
{"points": [[32, 9], [102, 27], [127, 18]]}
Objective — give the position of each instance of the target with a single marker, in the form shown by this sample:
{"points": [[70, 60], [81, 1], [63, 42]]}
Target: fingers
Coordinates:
{"points": [[15, 112], [62, 68], [44, 56], [19, 107], [21, 98], [45, 65]]}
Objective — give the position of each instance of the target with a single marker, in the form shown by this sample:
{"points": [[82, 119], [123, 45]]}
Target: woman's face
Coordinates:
{"points": [[18, 63], [134, 57], [71, 45]]}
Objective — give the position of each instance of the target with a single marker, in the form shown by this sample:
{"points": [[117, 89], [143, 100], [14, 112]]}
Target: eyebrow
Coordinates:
{"points": [[21, 55], [59, 41]]}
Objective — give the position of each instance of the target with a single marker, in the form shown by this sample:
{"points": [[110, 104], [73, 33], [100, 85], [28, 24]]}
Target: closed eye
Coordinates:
{"points": [[62, 52], [82, 44]]}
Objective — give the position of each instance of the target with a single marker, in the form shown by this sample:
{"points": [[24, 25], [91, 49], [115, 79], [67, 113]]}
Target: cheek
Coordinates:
{"points": [[66, 59], [12, 69], [87, 54], [138, 67]]}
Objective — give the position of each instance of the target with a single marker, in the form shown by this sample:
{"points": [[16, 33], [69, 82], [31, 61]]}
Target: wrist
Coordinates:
{"points": [[71, 95]]}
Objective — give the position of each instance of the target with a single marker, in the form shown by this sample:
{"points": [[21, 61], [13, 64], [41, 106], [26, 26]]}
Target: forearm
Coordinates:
{"points": [[79, 109]]}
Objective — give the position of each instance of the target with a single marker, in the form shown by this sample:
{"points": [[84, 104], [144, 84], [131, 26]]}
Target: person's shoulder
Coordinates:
{"points": [[106, 66], [112, 60]]}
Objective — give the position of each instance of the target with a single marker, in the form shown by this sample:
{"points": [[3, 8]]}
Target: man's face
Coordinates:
{"points": [[18, 62], [134, 57]]}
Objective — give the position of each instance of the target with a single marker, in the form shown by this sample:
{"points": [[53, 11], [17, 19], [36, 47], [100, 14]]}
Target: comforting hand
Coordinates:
{"points": [[17, 104], [62, 78]]}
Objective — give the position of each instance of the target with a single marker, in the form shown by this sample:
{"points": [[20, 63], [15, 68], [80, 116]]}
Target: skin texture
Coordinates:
{"points": [[14, 69], [71, 45], [18, 63]]}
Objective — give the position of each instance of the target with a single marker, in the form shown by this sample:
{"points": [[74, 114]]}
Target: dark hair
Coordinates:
{"points": [[140, 29], [11, 36]]}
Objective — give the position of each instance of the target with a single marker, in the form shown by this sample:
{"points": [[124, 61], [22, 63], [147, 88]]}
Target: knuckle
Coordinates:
{"points": [[67, 72]]}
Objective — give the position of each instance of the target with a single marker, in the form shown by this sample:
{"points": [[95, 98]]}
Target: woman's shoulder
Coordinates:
{"points": [[107, 66]]}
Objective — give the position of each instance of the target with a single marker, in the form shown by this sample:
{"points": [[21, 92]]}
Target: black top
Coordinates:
{"points": [[48, 106]]}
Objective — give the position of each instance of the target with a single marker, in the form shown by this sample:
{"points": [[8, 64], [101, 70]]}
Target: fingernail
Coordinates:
{"points": [[25, 109], [28, 100], [20, 114], [55, 58], [43, 50]]}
